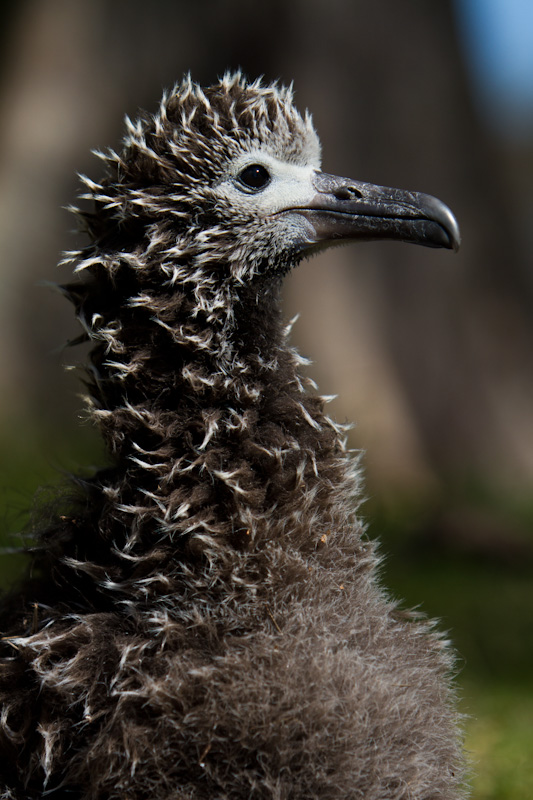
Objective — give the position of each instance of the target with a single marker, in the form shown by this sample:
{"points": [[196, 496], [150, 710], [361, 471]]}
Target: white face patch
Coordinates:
{"points": [[290, 185]]}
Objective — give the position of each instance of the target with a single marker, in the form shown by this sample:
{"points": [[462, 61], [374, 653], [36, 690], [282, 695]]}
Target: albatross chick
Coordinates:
{"points": [[202, 620]]}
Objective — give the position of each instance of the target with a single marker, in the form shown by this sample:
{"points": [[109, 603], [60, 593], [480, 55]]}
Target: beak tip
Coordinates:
{"points": [[439, 213], [453, 232]]}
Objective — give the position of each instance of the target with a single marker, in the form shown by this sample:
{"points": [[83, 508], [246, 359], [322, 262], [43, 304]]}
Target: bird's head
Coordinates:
{"points": [[226, 181]]}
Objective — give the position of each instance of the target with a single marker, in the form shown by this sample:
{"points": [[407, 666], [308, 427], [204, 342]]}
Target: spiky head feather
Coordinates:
{"points": [[164, 192]]}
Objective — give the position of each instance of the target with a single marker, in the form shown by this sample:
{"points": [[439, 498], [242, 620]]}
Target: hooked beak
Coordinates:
{"points": [[343, 209]]}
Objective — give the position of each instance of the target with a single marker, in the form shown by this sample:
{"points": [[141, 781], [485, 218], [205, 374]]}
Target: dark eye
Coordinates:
{"points": [[254, 177]]}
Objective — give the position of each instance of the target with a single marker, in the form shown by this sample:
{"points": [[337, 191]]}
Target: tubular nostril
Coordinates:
{"points": [[348, 193]]}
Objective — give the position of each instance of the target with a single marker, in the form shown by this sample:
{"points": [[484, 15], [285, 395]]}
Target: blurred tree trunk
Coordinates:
{"points": [[427, 350]]}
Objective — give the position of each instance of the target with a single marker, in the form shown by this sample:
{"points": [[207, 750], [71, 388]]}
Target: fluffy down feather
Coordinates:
{"points": [[202, 619]]}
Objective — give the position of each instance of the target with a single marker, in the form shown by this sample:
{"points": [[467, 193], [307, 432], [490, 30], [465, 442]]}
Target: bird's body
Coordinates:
{"points": [[204, 620]]}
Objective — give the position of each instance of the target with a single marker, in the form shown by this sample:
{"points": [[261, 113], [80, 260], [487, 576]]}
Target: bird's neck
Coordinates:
{"points": [[216, 437]]}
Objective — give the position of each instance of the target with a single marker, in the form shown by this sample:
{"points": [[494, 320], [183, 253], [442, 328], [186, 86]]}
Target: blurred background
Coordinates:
{"points": [[428, 351]]}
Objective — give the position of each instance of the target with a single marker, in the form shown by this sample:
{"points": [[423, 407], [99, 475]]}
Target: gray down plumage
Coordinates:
{"points": [[202, 619]]}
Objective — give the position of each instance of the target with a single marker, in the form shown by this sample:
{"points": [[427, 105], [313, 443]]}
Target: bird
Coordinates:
{"points": [[204, 615]]}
